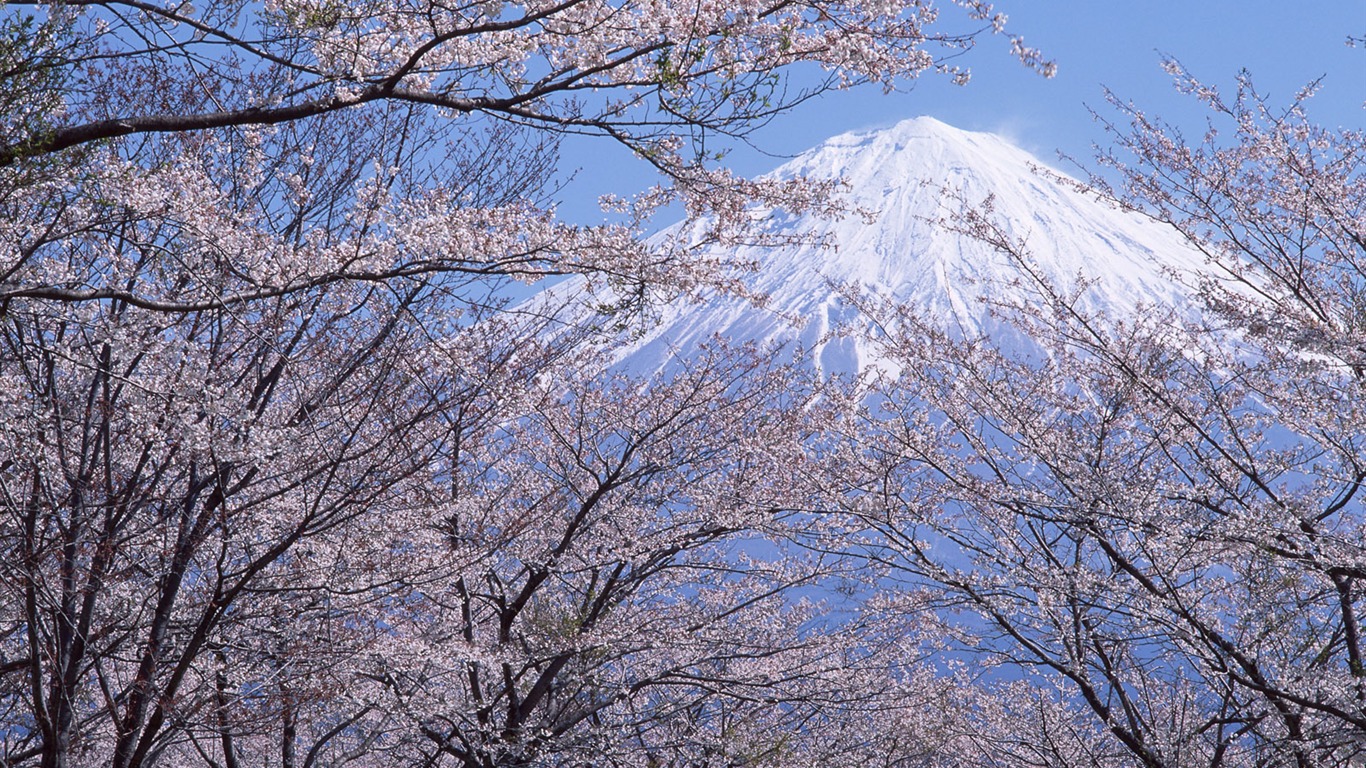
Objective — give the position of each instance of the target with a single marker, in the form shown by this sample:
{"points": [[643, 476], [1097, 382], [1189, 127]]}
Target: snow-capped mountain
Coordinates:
{"points": [[913, 178]]}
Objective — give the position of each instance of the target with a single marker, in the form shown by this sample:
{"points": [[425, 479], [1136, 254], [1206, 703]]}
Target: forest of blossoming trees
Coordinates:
{"points": [[285, 480]]}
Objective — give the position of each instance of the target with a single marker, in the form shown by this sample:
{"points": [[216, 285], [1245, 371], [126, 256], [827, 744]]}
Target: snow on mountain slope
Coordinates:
{"points": [[903, 175]]}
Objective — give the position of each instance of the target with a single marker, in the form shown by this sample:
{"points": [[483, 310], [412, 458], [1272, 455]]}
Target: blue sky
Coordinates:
{"points": [[1096, 44]]}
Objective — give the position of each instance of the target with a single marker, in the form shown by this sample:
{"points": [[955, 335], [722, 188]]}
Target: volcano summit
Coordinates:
{"points": [[910, 184]]}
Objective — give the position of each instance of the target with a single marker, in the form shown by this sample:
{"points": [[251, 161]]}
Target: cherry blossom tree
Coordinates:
{"points": [[1155, 521], [286, 477], [165, 108], [459, 553]]}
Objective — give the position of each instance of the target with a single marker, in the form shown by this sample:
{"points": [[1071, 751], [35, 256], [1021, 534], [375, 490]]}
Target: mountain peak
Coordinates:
{"points": [[915, 151], [899, 133], [911, 181], [916, 134]]}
